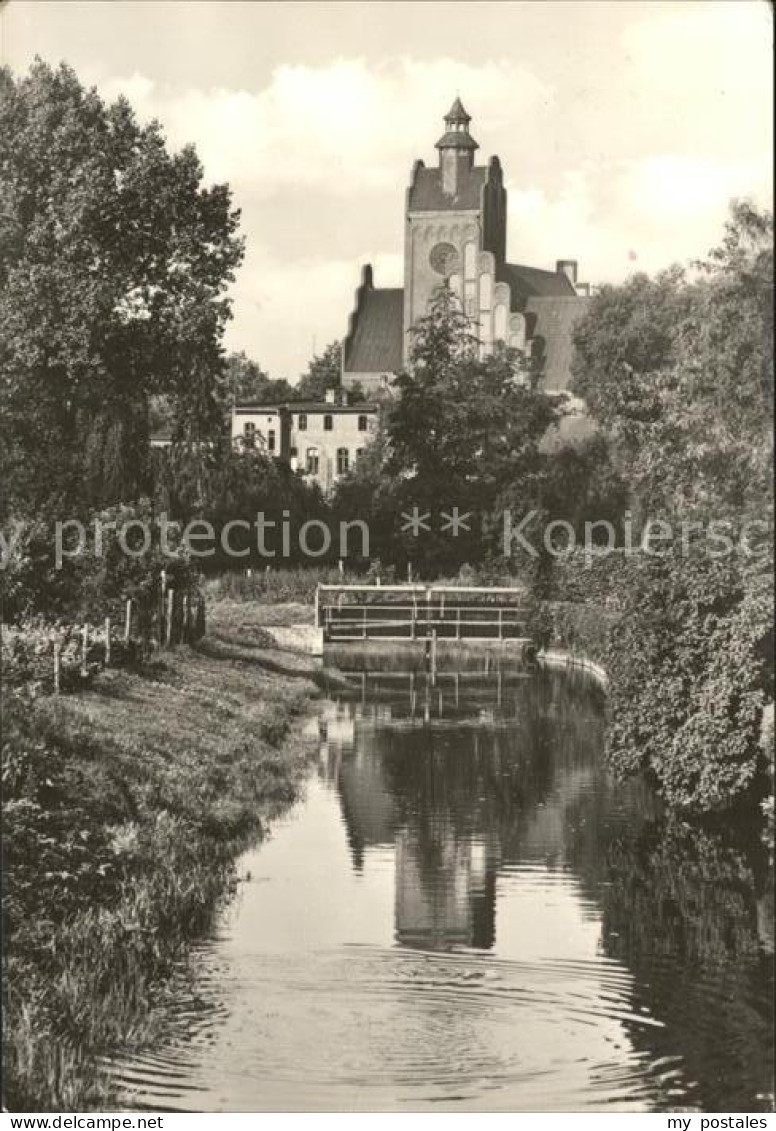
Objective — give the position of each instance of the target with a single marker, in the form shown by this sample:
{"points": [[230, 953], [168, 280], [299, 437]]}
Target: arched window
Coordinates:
{"points": [[271, 440], [470, 299], [363, 423], [470, 261], [313, 461], [249, 434], [343, 461], [500, 323], [328, 422], [486, 291], [517, 331]]}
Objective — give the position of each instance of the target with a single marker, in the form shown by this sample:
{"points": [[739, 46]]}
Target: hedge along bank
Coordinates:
{"points": [[686, 643]]}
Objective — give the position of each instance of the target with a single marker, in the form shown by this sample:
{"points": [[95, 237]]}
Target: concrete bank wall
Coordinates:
{"points": [[569, 662]]}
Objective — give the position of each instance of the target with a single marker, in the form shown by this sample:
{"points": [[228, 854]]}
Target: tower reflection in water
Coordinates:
{"points": [[487, 784], [437, 769]]}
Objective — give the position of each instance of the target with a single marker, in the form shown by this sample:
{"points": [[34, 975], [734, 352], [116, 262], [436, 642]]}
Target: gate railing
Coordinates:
{"points": [[417, 612]]}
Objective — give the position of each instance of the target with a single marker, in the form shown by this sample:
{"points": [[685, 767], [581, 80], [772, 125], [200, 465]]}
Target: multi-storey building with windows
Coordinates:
{"points": [[321, 438]]}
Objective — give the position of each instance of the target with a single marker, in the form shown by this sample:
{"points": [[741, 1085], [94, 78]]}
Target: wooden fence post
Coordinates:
{"points": [[107, 642], [186, 617], [168, 634], [128, 620], [85, 650], [57, 661]]}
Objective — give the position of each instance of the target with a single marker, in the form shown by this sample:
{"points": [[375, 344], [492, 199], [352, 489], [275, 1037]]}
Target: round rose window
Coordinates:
{"points": [[444, 259]]}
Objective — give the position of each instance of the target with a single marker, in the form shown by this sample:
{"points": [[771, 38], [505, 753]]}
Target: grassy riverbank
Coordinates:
{"points": [[125, 808]]}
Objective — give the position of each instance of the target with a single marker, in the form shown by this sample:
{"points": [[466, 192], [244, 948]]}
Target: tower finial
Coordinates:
{"points": [[456, 148], [456, 135], [456, 114]]}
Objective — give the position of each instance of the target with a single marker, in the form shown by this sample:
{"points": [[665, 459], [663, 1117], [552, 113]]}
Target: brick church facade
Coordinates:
{"points": [[455, 230]]}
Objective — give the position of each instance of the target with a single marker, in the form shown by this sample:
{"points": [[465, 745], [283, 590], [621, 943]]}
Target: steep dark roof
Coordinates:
{"points": [[553, 320], [426, 194], [377, 345], [456, 113], [456, 139], [529, 281]]}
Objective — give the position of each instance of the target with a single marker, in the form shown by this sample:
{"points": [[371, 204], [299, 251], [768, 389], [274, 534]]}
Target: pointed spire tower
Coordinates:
{"points": [[456, 148]]}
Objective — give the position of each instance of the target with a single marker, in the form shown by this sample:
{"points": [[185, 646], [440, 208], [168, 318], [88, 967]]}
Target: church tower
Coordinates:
{"points": [[455, 214], [455, 231], [456, 149]]}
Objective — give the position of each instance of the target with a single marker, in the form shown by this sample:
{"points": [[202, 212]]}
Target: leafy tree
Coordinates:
{"points": [[245, 381], [463, 428], [681, 372], [221, 485], [368, 493], [581, 484], [114, 262], [324, 372]]}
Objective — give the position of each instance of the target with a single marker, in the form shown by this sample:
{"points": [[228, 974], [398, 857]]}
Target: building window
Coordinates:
{"points": [[328, 422], [302, 422], [313, 461], [359, 453], [293, 453], [343, 461], [363, 423], [470, 261], [249, 434], [271, 440], [517, 338], [500, 322], [486, 291]]}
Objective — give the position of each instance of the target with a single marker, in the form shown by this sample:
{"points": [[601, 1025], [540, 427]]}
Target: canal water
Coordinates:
{"points": [[465, 912]]}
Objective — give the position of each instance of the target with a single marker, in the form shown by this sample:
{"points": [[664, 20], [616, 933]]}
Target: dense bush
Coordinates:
{"points": [[687, 643], [95, 575]]}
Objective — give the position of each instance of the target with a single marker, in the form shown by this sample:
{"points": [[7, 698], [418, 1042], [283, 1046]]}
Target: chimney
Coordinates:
{"points": [[567, 267]]}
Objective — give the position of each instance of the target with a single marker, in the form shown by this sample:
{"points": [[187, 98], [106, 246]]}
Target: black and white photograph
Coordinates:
{"points": [[386, 563]]}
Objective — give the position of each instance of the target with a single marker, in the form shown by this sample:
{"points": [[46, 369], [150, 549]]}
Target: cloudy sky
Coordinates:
{"points": [[623, 128]]}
